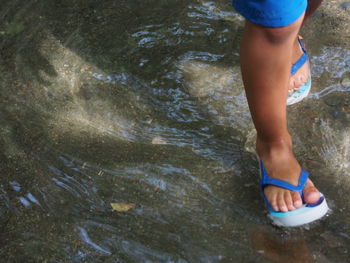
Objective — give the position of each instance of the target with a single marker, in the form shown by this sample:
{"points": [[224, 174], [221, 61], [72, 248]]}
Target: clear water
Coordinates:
{"points": [[142, 102]]}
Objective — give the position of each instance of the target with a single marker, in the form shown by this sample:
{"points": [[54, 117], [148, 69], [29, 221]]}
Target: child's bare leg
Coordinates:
{"points": [[301, 76], [312, 5], [266, 54]]}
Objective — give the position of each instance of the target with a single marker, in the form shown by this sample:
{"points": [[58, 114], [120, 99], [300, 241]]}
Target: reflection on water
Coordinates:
{"points": [[132, 102], [334, 61]]}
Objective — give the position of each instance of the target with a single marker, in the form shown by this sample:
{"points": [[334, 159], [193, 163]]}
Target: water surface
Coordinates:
{"points": [[142, 102]]}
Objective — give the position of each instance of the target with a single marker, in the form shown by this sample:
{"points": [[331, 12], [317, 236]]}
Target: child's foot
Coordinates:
{"points": [[279, 162], [302, 75]]}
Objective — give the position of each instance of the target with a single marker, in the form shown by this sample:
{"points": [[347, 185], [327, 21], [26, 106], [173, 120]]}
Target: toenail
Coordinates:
{"points": [[298, 202]]}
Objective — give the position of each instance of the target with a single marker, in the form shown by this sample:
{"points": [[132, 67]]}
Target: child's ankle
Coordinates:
{"points": [[284, 139], [269, 146]]}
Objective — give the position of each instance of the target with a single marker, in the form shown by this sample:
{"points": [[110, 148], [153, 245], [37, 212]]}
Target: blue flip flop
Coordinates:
{"points": [[307, 213], [303, 91]]}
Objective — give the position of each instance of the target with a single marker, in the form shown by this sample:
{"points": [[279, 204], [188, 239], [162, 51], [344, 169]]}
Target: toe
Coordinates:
{"points": [[311, 194], [291, 85], [301, 79], [273, 203], [288, 200], [281, 203], [297, 199], [298, 83]]}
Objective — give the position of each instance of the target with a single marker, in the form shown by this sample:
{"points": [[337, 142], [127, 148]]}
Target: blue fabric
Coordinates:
{"points": [[271, 13]]}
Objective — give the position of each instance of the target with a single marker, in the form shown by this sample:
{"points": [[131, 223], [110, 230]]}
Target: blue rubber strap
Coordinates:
{"points": [[266, 180], [301, 61]]}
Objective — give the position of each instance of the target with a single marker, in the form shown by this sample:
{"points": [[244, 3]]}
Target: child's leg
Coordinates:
{"points": [[312, 5], [302, 75], [266, 57]]}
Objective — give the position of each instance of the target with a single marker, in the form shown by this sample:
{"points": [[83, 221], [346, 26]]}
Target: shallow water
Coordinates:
{"points": [[126, 101]]}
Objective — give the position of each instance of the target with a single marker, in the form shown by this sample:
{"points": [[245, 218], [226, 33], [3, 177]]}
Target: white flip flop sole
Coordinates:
{"points": [[306, 214], [300, 94], [300, 216]]}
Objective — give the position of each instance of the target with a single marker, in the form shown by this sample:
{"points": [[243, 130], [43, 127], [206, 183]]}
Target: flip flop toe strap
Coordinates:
{"points": [[301, 61], [267, 180]]}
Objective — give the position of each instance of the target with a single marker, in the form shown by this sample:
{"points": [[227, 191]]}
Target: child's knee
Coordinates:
{"points": [[280, 35]]}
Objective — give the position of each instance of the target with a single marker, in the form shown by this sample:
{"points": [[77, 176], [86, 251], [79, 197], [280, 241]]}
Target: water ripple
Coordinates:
{"points": [[334, 60], [209, 10], [328, 90], [85, 237]]}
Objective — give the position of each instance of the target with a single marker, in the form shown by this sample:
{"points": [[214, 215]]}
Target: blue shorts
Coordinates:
{"points": [[271, 13]]}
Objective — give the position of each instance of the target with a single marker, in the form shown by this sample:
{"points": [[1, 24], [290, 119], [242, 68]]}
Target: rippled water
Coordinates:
{"points": [[142, 102]]}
